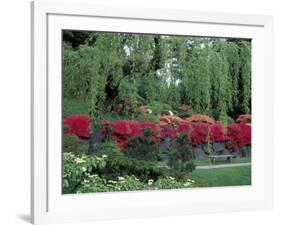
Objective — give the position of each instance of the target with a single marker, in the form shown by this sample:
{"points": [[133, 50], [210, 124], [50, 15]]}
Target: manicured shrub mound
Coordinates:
{"points": [[77, 125], [171, 120], [125, 129], [238, 135], [245, 118], [217, 133], [200, 118], [199, 133]]}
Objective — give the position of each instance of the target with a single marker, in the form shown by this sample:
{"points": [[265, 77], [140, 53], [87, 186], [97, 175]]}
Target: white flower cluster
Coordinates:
{"points": [[79, 160], [121, 178], [188, 183], [112, 182]]}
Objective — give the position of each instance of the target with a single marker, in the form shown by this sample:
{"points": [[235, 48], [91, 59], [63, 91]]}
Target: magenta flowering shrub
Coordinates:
{"points": [[77, 125], [237, 135]]}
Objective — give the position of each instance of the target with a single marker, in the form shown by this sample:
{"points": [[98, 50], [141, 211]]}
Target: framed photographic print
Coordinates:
{"points": [[142, 112]]}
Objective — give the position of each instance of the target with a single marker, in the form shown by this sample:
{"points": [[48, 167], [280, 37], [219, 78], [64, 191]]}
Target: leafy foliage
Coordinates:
{"points": [[172, 183], [212, 75], [95, 183], [143, 147], [71, 143], [76, 168], [181, 155], [85, 174], [245, 82]]}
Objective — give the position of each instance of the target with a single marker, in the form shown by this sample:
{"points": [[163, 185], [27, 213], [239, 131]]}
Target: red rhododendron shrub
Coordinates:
{"points": [[153, 126], [238, 135], [78, 125], [199, 133], [168, 131], [172, 132], [245, 118], [125, 129], [184, 128], [246, 135], [216, 133]]}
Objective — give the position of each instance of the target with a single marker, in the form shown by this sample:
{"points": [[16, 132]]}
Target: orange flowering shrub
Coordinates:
{"points": [[245, 118], [200, 118], [174, 120]]}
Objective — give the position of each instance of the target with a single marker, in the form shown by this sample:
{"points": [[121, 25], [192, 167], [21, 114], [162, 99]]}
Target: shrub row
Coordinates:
{"points": [[237, 135]]}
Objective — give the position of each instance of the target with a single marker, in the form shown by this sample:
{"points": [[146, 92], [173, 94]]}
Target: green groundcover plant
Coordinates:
{"points": [[91, 173]]}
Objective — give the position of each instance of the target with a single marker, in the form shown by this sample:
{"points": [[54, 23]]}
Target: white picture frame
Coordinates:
{"points": [[47, 202]]}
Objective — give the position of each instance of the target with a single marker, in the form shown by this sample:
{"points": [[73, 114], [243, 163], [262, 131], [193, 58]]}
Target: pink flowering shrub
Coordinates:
{"points": [[125, 129], [238, 135], [216, 133], [199, 133], [77, 125]]}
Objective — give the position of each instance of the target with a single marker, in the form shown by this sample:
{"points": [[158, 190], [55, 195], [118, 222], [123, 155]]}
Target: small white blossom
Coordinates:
{"points": [[149, 111], [172, 178], [78, 160], [104, 156], [121, 178], [94, 175], [189, 180], [187, 184], [150, 182], [112, 181]]}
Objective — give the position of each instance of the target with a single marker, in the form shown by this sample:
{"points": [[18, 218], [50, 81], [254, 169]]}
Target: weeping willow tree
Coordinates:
{"points": [[106, 72], [221, 88], [196, 78], [231, 53], [77, 71], [245, 80], [213, 75]]}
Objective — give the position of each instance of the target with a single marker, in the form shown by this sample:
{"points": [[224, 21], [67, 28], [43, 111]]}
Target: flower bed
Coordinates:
{"points": [[237, 135]]}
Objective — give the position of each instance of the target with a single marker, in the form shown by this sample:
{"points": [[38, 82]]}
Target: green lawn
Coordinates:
{"points": [[222, 161], [230, 176], [75, 106]]}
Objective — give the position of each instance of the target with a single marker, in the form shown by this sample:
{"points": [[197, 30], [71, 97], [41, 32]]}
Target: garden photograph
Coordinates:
{"points": [[146, 112]]}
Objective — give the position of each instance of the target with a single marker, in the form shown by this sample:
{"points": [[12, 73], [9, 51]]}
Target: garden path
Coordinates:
{"points": [[223, 165]]}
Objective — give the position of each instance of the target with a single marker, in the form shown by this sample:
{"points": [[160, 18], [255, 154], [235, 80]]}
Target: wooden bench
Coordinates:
{"points": [[228, 157]]}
